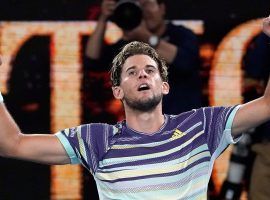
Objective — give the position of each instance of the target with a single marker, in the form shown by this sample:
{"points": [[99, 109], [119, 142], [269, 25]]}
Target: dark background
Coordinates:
{"points": [[219, 18]]}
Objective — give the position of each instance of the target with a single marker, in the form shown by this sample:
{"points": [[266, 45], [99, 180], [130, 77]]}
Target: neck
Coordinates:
{"points": [[159, 30], [146, 122]]}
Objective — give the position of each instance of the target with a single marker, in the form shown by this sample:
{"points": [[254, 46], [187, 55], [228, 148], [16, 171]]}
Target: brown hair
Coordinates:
{"points": [[131, 49]]}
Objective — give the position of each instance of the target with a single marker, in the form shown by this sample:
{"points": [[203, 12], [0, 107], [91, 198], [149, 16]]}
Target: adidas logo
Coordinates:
{"points": [[177, 134]]}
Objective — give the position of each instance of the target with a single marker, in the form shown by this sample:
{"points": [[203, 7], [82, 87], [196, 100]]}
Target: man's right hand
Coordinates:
{"points": [[266, 26], [107, 9]]}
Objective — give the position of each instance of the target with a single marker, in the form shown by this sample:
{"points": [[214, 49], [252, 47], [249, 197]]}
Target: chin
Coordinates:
{"points": [[153, 26], [144, 104]]}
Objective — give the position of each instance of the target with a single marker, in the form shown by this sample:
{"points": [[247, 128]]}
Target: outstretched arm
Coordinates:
{"points": [[256, 112], [37, 148]]}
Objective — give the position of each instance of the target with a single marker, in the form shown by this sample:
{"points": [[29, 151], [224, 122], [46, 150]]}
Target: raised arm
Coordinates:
{"points": [[256, 112], [95, 41], [37, 148]]}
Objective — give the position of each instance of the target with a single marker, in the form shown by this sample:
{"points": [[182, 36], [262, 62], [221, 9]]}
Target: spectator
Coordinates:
{"points": [[176, 44]]}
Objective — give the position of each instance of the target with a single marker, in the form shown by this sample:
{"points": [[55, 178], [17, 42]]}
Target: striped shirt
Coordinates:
{"points": [[173, 163]]}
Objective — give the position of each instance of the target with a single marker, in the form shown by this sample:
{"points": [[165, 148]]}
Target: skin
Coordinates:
{"points": [[152, 24], [153, 15], [48, 149], [153, 20], [138, 70]]}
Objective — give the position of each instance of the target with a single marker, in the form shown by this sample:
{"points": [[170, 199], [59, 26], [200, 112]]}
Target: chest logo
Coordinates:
{"points": [[177, 134]]}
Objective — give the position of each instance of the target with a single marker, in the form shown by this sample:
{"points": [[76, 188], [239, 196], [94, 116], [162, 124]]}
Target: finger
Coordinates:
{"points": [[266, 21], [109, 5]]}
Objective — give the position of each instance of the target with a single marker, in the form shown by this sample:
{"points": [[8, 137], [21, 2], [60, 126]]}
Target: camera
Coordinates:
{"points": [[127, 14]]}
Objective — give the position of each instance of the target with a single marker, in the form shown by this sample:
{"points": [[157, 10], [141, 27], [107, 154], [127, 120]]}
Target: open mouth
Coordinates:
{"points": [[143, 87]]}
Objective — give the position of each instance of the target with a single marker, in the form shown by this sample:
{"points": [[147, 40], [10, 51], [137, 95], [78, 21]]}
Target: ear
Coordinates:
{"points": [[117, 92], [165, 88]]}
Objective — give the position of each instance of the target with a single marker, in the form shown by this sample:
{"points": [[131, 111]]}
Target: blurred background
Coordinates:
{"points": [[33, 74]]}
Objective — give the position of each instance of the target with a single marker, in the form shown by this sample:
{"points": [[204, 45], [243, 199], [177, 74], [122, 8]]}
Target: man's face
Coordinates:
{"points": [[153, 13], [141, 86]]}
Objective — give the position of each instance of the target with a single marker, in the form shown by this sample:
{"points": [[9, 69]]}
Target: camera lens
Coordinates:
{"points": [[127, 14]]}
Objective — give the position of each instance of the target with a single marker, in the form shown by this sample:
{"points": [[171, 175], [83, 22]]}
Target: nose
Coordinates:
{"points": [[143, 74]]}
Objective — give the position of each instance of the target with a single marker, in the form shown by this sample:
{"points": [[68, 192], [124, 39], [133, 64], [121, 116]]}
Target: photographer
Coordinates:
{"points": [[176, 44]]}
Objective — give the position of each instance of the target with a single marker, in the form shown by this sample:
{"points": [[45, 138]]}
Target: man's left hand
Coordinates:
{"points": [[266, 26]]}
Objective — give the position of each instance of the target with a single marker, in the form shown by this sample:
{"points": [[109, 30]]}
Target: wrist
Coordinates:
{"points": [[153, 41], [103, 18]]}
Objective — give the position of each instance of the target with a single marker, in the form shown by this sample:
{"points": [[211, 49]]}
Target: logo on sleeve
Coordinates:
{"points": [[177, 134], [73, 131]]}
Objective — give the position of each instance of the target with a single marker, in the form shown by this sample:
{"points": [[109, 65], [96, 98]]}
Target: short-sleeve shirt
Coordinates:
{"points": [[173, 163]]}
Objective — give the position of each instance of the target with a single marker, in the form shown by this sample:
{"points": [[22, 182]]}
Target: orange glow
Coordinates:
{"points": [[224, 85], [226, 78], [65, 80]]}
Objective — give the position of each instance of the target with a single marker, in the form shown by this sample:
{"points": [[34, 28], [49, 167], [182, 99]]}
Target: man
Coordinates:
{"points": [[149, 155], [176, 44]]}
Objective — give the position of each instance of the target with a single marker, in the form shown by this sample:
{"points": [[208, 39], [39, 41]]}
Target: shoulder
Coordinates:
{"points": [[180, 29], [202, 113], [93, 129], [98, 128], [192, 115]]}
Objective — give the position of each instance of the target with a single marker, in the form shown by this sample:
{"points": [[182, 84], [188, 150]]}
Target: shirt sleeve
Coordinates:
{"points": [[85, 144], [217, 125], [67, 146], [187, 56]]}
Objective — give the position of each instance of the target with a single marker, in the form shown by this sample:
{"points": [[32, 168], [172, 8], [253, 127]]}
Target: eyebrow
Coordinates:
{"points": [[151, 66], [132, 67]]}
